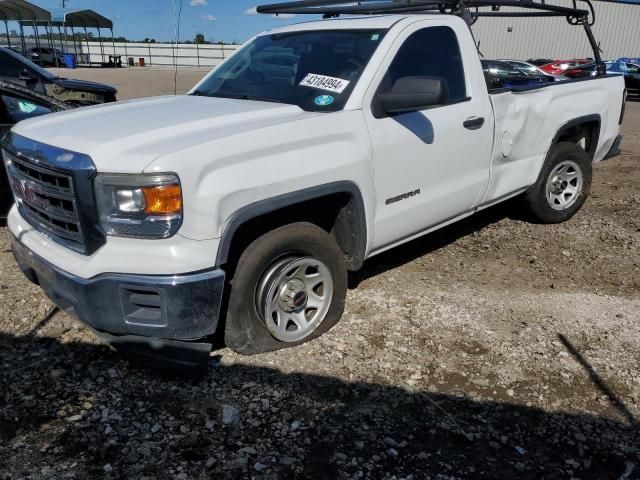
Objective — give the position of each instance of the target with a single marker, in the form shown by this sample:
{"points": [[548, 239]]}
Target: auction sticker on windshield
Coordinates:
{"points": [[323, 82]]}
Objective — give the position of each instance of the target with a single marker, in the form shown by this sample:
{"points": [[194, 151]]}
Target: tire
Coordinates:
{"points": [[563, 185], [274, 290]]}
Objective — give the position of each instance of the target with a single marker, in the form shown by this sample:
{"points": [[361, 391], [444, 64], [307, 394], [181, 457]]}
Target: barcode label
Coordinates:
{"points": [[324, 82]]}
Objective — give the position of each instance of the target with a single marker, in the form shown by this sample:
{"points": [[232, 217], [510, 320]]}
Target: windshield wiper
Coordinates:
{"points": [[240, 97]]}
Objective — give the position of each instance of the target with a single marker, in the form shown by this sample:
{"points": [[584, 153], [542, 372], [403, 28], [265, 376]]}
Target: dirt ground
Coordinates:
{"points": [[139, 82], [494, 349]]}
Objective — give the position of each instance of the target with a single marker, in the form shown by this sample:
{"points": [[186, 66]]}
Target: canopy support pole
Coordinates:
{"points": [[48, 29], [86, 39], [101, 44], [35, 28], [113, 42], [6, 26], [75, 45], [61, 46], [22, 42]]}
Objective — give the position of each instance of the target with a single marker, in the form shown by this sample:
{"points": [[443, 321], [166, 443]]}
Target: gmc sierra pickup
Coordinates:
{"points": [[240, 207]]}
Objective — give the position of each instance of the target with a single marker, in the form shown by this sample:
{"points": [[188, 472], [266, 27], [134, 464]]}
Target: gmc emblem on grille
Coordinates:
{"points": [[30, 193]]}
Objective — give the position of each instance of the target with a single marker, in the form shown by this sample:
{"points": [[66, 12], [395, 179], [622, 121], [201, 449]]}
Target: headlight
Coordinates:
{"points": [[143, 206]]}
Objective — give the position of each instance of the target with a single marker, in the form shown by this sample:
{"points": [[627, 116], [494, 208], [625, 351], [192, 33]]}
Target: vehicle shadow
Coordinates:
{"points": [[422, 246], [82, 410]]}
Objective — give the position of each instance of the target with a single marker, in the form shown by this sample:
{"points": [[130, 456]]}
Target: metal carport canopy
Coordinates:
{"points": [[79, 18], [19, 10]]}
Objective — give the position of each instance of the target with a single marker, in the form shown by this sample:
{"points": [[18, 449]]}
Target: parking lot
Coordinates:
{"points": [[495, 348]]}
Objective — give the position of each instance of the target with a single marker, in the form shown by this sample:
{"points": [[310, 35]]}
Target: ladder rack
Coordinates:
{"points": [[469, 10]]}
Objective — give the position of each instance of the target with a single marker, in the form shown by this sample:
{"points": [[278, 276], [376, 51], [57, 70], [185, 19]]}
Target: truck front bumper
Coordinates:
{"points": [[164, 307]]}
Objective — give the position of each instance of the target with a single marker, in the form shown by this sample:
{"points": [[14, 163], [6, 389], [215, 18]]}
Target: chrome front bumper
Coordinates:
{"points": [[165, 307]]}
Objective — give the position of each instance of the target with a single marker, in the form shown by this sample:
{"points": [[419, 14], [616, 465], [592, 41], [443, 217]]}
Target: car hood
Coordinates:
{"points": [[84, 85], [127, 136]]}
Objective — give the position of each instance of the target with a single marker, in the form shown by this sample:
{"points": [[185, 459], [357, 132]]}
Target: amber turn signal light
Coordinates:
{"points": [[163, 200]]}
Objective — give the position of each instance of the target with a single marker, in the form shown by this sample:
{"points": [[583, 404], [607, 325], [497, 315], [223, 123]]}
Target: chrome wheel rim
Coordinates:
{"points": [[294, 296], [564, 185]]}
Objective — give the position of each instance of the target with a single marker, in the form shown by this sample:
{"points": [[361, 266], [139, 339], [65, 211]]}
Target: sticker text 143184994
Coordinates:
{"points": [[323, 82]]}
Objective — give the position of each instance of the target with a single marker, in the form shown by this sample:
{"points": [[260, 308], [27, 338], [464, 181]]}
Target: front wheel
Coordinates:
{"points": [[563, 185], [289, 287]]}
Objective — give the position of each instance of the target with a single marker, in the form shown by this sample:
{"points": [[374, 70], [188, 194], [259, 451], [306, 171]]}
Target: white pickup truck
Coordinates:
{"points": [[240, 207]]}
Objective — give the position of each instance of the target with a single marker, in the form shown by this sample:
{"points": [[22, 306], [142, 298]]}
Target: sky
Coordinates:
{"points": [[218, 20]]}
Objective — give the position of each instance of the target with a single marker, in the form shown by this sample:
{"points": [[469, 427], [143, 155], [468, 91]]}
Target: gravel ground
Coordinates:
{"points": [[492, 349]]}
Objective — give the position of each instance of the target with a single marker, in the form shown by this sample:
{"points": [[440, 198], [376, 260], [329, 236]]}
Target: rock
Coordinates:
{"points": [[495, 445], [259, 467], [132, 458], [291, 460], [392, 452], [191, 439], [156, 428], [58, 373], [520, 467], [248, 450], [580, 437], [390, 441], [510, 392], [359, 444], [107, 468], [295, 425], [230, 415], [211, 462], [74, 418]]}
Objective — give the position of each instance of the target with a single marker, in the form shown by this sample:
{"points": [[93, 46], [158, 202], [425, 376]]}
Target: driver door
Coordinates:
{"points": [[433, 165]]}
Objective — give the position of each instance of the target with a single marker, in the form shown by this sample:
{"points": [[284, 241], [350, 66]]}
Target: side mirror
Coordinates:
{"points": [[410, 94]]}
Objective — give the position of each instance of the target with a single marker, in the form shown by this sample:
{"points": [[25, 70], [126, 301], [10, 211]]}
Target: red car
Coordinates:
{"points": [[565, 67]]}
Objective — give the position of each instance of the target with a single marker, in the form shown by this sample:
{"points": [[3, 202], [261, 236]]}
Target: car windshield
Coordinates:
{"points": [[315, 70], [500, 69], [525, 68], [30, 65]]}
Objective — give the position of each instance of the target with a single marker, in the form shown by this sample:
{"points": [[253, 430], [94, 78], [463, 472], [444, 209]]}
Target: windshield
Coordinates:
{"points": [[526, 68], [316, 70]]}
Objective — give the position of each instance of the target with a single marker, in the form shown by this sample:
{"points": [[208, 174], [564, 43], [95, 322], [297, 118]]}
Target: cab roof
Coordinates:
{"points": [[373, 22]]}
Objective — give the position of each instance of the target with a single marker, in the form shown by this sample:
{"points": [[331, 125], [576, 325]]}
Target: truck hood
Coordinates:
{"points": [[125, 137], [84, 85]]}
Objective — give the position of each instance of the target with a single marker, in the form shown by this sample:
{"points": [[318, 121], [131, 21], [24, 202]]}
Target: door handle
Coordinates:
{"points": [[473, 123]]}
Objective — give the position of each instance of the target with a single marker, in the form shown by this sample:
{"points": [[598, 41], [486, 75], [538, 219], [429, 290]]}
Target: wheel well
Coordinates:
{"points": [[340, 213], [583, 132]]}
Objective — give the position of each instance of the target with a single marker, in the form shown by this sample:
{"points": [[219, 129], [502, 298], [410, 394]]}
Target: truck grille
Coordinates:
{"points": [[47, 200]]}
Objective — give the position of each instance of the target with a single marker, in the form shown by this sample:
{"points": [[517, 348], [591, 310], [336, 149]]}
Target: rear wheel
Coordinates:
{"points": [[289, 287], [563, 185]]}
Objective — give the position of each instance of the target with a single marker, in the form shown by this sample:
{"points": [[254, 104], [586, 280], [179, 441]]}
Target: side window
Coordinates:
{"points": [[17, 109], [431, 52], [10, 67]]}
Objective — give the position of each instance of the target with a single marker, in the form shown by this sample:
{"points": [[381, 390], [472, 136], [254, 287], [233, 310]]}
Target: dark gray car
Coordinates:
{"points": [[23, 72]]}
